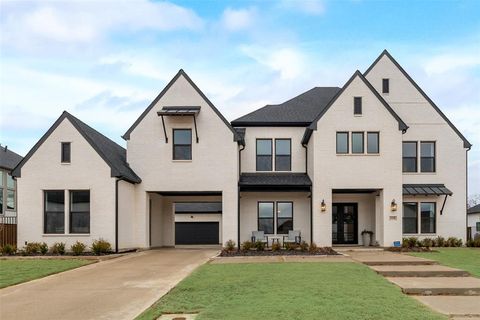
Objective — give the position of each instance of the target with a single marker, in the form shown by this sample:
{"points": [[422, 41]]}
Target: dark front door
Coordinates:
{"points": [[196, 232], [344, 223]]}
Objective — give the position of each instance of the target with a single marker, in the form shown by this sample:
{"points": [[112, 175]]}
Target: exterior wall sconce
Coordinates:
{"points": [[393, 205], [323, 206]]}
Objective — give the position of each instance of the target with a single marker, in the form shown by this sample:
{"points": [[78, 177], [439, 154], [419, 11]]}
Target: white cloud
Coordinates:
{"points": [[452, 62], [310, 7], [238, 19]]}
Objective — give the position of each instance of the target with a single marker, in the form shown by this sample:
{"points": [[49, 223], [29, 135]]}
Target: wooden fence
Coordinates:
{"points": [[8, 230]]}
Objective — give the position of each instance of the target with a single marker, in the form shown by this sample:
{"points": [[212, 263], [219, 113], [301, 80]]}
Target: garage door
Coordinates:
{"points": [[196, 233]]}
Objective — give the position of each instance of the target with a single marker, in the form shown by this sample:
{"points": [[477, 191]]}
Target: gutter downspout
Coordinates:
{"points": [[311, 193], [238, 196], [116, 214], [466, 192]]}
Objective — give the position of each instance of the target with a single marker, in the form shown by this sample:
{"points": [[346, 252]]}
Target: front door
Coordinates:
{"points": [[344, 223]]}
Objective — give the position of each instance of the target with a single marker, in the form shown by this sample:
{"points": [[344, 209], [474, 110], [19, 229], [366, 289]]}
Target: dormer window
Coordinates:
{"points": [[65, 153], [385, 85], [357, 106]]}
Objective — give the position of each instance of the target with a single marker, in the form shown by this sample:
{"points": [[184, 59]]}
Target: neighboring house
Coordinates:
{"points": [[473, 222], [8, 186], [376, 154]]}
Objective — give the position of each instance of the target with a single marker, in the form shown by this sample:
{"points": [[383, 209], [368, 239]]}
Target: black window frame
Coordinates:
{"points": [[45, 212], [410, 218], [363, 141], [434, 158], [357, 106], [416, 156], [66, 154], [263, 218], [378, 141], [71, 212], [277, 218], [181, 144], [385, 85], [284, 156], [348, 141], [434, 217], [477, 225], [257, 155]]}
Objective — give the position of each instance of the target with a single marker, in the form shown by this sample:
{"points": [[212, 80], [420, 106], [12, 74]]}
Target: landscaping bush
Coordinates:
{"points": [[32, 248], [276, 246], [230, 245], [427, 243], [58, 248], [8, 250], [43, 248], [439, 242], [247, 245], [411, 242], [475, 243], [313, 247], [453, 242], [304, 246], [290, 246], [260, 245], [78, 248], [101, 246]]}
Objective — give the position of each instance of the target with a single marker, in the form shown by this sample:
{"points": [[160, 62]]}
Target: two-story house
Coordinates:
{"points": [[375, 154]]}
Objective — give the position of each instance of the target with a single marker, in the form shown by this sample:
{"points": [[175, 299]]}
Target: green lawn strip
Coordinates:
{"points": [[289, 291], [18, 271], [467, 259]]}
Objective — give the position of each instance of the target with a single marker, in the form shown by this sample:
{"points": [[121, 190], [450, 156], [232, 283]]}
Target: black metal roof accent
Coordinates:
{"points": [[8, 158], [126, 136], [198, 207], [188, 193], [313, 126], [284, 181], [179, 111], [299, 111], [426, 190], [474, 209], [113, 154], [466, 143]]}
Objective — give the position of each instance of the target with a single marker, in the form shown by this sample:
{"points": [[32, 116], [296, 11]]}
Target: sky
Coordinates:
{"points": [[105, 61]]}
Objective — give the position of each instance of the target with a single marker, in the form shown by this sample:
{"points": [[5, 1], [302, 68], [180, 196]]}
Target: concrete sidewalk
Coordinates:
{"points": [[115, 289]]}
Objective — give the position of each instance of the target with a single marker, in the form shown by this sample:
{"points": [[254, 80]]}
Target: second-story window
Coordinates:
{"points": [[373, 145], [182, 144], [409, 150], [283, 155], [66, 152], [357, 106], [342, 142], [427, 156], [264, 154], [357, 142], [385, 85]]}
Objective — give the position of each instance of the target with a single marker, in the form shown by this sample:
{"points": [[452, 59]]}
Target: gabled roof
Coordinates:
{"points": [[466, 144], [474, 209], [298, 111], [126, 136], [313, 126], [8, 158], [113, 154]]}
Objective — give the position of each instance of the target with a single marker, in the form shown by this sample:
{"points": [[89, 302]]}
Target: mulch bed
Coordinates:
{"points": [[252, 253], [414, 249]]}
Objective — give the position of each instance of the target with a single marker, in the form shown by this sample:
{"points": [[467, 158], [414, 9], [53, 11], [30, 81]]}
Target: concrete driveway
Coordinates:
{"points": [[115, 289]]}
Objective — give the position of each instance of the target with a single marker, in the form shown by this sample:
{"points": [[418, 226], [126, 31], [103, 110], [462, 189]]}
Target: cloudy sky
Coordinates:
{"points": [[104, 61]]}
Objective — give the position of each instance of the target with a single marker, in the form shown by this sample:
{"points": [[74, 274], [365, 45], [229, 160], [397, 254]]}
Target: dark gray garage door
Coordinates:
{"points": [[196, 233]]}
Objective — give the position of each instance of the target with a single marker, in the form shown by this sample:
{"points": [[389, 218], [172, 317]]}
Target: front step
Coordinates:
{"points": [[428, 286], [401, 263], [419, 271], [457, 307]]}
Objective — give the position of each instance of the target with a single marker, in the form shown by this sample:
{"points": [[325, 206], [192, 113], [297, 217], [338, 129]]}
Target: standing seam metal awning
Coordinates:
{"points": [[179, 111], [426, 190]]}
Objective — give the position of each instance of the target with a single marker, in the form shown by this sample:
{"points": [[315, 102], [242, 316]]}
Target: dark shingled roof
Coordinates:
{"points": [[112, 153], [277, 179], [8, 158], [198, 207], [474, 209], [426, 189], [298, 111]]}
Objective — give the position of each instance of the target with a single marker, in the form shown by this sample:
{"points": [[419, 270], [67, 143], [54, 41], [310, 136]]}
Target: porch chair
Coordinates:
{"points": [[259, 236], [293, 237]]}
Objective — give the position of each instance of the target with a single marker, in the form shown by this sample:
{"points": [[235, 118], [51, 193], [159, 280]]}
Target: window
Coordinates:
{"points": [[427, 221], [284, 217], [182, 144], [10, 192], [265, 217], [357, 105], [357, 142], [264, 154], [373, 142], [385, 85], [54, 212], [409, 150], [410, 218], [1, 192], [283, 157], [80, 211], [342, 142], [65, 152], [478, 226], [427, 156]]}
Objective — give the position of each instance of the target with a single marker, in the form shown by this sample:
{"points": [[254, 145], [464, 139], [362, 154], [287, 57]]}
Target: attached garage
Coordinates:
{"points": [[197, 233], [197, 223]]}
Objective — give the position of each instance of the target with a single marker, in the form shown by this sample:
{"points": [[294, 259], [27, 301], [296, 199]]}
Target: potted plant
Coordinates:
{"points": [[367, 237]]}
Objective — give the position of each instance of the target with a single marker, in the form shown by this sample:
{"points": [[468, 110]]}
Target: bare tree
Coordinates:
{"points": [[473, 200]]}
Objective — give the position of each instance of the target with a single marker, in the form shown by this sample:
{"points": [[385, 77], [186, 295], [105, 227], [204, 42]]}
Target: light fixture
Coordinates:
{"points": [[323, 206], [393, 205]]}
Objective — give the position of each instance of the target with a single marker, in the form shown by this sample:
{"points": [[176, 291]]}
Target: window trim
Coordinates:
{"points": [[182, 145], [355, 99], [416, 217], [45, 211], [416, 156], [348, 142], [70, 211], [271, 154], [363, 142], [276, 216], [434, 156], [378, 141], [386, 88], [63, 159], [4, 189], [290, 154], [477, 225], [272, 218]]}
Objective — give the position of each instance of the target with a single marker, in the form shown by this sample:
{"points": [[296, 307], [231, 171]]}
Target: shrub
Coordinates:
{"points": [[247, 245], [101, 246], [32, 248], [474, 242], [276, 246], [439, 242], [78, 248], [290, 246], [260, 245], [304, 246], [58, 248], [230, 245], [411, 242], [427, 243], [8, 250], [43, 248], [313, 247], [453, 242]]}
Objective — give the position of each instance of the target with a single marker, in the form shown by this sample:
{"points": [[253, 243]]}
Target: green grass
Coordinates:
{"points": [[289, 291], [467, 259], [18, 271]]}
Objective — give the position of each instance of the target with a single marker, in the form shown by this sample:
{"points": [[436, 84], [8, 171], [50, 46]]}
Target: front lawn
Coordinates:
{"points": [[467, 259], [17, 271], [289, 291]]}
